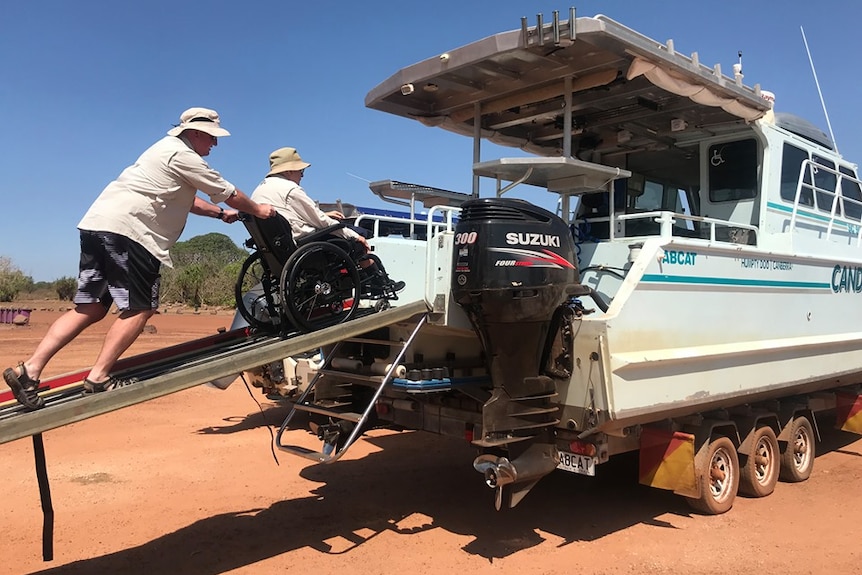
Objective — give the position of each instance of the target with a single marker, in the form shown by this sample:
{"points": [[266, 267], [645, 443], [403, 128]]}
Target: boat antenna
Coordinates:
{"points": [[358, 177], [737, 68], [822, 103]]}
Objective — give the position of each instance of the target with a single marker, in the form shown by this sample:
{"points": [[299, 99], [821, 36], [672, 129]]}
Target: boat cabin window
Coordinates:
{"points": [[651, 199], [791, 165], [733, 171], [824, 183], [649, 195], [851, 202], [819, 183], [666, 181]]}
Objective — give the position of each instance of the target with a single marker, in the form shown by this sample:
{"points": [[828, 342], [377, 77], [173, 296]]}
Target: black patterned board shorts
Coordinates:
{"points": [[115, 269]]}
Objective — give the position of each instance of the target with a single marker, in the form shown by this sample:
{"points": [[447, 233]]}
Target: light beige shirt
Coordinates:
{"points": [[291, 201], [150, 201]]}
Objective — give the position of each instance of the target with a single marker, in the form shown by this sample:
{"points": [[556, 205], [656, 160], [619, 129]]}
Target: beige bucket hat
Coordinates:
{"points": [[285, 160], [201, 119]]}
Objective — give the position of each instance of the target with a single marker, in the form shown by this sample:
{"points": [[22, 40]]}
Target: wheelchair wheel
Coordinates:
{"points": [[319, 286], [254, 293]]}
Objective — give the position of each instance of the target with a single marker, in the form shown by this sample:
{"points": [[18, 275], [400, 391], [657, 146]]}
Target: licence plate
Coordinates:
{"points": [[575, 463]]}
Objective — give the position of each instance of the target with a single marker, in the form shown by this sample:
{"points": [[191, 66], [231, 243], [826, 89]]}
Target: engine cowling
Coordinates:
{"points": [[514, 261]]}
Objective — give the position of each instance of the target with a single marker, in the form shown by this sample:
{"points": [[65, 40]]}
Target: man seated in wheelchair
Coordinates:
{"points": [[281, 189]]}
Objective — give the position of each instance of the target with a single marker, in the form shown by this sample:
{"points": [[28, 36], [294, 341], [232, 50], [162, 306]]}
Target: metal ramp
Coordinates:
{"points": [[192, 371], [343, 420]]}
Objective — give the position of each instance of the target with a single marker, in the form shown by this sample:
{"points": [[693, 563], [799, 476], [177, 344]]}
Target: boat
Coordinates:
{"points": [[692, 298]]}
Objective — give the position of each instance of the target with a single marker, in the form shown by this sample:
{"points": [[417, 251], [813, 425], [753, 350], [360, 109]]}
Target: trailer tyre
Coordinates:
{"points": [[797, 461], [759, 474], [719, 480]]}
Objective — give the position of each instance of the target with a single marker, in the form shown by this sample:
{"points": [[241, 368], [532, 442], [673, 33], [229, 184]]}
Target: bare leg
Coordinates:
{"points": [[125, 330], [65, 329]]}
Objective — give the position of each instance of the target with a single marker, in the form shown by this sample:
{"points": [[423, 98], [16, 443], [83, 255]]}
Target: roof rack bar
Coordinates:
{"points": [[557, 32], [540, 28], [556, 27]]}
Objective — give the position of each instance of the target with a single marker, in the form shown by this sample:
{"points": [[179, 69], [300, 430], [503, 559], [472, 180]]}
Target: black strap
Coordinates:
{"points": [[45, 496]]}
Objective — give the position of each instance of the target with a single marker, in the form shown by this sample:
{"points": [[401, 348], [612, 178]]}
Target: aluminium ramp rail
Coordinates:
{"points": [[196, 373]]}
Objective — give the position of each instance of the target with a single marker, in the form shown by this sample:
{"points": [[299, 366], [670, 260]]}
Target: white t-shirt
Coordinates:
{"points": [[291, 201], [150, 201]]}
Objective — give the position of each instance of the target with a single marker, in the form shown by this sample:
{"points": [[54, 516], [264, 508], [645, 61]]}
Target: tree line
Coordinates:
{"points": [[205, 272]]}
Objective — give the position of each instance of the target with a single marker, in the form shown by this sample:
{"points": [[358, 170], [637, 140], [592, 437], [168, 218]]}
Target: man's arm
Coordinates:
{"points": [[191, 167], [243, 203], [307, 209], [202, 207]]}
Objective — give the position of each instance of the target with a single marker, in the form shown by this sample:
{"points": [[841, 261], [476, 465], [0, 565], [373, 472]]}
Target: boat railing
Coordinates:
{"points": [[702, 227], [830, 203], [438, 218], [448, 215]]}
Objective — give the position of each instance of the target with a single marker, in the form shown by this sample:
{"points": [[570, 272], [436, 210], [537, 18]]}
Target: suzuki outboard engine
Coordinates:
{"points": [[513, 268]]}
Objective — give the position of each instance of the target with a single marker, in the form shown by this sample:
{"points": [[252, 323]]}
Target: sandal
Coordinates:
{"points": [[24, 388], [91, 387]]}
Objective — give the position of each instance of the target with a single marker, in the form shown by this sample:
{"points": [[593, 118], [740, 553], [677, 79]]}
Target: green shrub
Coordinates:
{"points": [[205, 271], [66, 288], [12, 280]]}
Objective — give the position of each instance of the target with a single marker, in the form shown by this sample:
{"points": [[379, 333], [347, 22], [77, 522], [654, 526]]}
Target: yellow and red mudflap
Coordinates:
{"points": [[848, 412], [667, 460]]}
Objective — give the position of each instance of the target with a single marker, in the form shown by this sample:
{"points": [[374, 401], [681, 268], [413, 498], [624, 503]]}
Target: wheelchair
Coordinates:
{"points": [[306, 285]]}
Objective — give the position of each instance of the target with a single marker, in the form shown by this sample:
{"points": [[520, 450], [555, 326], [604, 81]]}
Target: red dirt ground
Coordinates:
{"points": [[187, 484]]}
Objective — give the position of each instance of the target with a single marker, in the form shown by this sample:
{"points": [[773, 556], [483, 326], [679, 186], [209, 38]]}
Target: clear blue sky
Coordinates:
{"points": [[86, 86]]}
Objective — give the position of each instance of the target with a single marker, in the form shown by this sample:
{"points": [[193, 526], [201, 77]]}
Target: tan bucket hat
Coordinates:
{"points": [[285, 160], [201, 119]]}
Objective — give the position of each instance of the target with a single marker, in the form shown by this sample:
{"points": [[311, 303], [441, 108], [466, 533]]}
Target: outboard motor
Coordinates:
{"points": [[513, 268]]}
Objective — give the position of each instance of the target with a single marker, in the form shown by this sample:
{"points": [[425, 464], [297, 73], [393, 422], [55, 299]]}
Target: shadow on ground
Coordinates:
{"points": [[415, 483]]}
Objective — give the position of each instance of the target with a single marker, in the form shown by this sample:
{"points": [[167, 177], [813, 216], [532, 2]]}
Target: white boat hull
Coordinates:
{"points": [[695, 327]]}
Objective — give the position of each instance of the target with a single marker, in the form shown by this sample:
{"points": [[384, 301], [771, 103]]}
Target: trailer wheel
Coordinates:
{"points": [[759, 474], [797, 461], [719, 479]]}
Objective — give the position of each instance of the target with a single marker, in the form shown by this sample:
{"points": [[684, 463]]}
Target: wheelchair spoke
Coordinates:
{"points": [[316, 282], [254, 294]]}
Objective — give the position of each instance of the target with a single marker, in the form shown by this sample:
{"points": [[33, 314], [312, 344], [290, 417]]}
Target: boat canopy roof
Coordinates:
{"points": [[628, 92], [405, 194], [804, 128]]}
